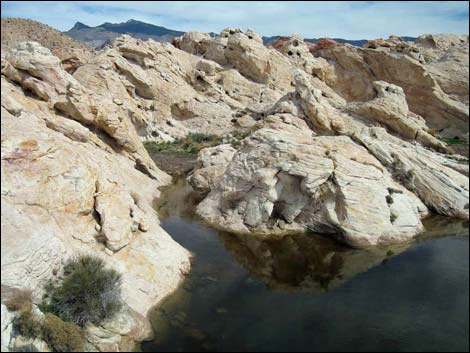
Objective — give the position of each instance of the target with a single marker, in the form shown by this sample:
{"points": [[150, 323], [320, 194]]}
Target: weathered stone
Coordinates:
{"points": [[212, 163], [327, 184]]}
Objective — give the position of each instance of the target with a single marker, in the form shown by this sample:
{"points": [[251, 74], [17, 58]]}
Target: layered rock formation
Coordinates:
{"points": [[316, 162], [342, 141], [75, 180], [433, 73]]}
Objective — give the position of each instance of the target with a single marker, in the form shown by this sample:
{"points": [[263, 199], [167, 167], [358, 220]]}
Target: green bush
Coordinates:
{"points": [[189, 145], [453, 141], [27, 324], [239, 135], [88, 292], [62, 336], [200, 138]]}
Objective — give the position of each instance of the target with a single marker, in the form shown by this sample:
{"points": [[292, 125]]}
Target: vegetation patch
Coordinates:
{"points": [[88, 292], [453, 141], [27, 324], [19, 301], [62, 336], [188, 146], [239, 135]]}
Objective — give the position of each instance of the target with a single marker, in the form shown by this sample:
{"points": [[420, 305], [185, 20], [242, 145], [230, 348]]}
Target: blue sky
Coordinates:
{"points": [[351, 20]]}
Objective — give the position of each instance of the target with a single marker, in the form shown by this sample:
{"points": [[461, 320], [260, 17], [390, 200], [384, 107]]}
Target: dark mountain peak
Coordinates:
{"points": [[138, 27], [79, 25]]}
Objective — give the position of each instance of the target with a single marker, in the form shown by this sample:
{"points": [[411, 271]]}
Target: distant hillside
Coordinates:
{"points": [[358, 43], [105, 33], [101, 35], [17, 30]]}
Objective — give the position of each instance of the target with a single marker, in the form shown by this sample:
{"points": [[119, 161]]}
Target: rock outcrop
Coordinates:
{"points": [[77, 179], [212, 163], [285, 180], [71, 53], [248, 199], [433, 73]]}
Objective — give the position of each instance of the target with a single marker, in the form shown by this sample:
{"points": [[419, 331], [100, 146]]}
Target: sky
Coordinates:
{"points": [[335, 19]]}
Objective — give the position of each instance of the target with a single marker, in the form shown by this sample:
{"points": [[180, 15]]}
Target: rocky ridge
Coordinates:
{"points": [[72, 53]]}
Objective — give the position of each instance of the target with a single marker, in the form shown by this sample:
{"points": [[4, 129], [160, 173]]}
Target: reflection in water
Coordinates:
{"points": [[311, 261], [291, 262], [305, 292]]}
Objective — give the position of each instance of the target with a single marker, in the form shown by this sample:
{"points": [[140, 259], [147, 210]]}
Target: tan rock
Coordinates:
{"points": [[327, 184], [212, 163], [390, 108], [436, 86], [67, 188]]}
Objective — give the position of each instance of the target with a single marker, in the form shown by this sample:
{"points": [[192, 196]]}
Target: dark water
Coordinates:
{"points": [[306, 293]]}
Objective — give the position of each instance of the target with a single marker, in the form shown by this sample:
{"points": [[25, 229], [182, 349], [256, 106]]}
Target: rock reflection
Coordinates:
{"points": [[177, 200], [303, 261]]}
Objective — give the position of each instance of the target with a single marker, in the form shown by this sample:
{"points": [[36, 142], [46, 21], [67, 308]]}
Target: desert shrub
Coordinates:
{"points": [[62, 336], [190, 145], [88, 292], [27, 324], [389, 199], [19, 300], [393, 217], [200, 138], [453, 140], [239, 135]]}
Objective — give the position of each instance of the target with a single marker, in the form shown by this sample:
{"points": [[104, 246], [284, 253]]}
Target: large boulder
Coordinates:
{"points": [[212, 163], [286, 180], [390, 109]]}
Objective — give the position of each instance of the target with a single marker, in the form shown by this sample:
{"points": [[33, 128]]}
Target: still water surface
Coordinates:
{"points": [[307, 293]]}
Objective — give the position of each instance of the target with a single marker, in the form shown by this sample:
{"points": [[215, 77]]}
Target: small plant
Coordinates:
{"points": [[389, 199], [59, 335], [62, 336], [27, 324], [453, 141], [190, 145], [88, 292], [393, 217], [239, 135], [21, 299]]}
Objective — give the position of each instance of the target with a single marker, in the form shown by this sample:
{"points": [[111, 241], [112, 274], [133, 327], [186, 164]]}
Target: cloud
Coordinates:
{"points": [[352, 20]]}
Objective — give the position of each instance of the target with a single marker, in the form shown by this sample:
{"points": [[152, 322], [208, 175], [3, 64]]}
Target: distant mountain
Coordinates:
{"points": [[101, 35], [78, 26], [358, 42], [105, 33]]}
